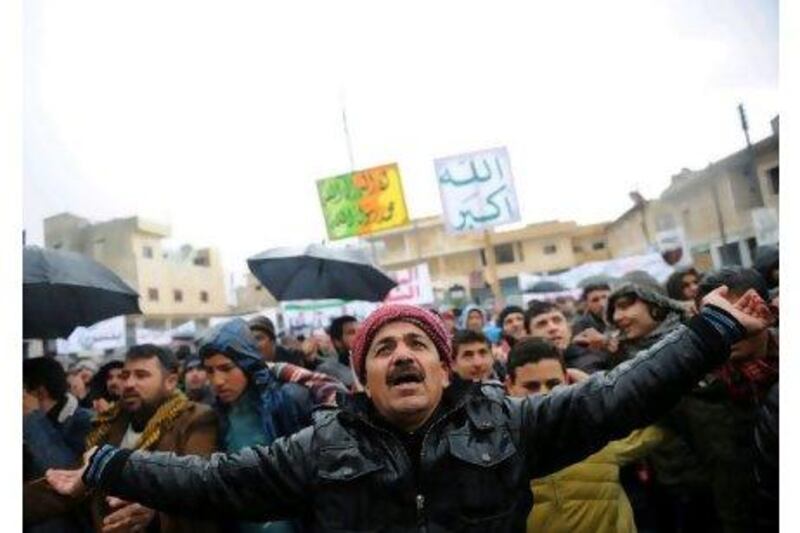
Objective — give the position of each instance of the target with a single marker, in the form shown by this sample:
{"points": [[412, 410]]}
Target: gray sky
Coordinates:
{"points": [[218, 117]]}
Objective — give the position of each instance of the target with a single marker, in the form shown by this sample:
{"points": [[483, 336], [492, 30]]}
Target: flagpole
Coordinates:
{"points": [[347, 134]]}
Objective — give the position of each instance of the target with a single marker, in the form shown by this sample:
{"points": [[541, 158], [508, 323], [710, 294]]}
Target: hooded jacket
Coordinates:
{"points": [[283, 408]]}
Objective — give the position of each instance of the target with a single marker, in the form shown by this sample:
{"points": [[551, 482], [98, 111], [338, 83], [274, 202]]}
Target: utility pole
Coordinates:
{"points": [[491, 265], [750, 169]]}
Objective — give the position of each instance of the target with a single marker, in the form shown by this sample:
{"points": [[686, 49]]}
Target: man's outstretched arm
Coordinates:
{"points": [[569, 424], [259, 483]]}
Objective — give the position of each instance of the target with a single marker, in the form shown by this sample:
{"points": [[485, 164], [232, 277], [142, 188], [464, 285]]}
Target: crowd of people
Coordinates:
{"points": [[641, 407]]}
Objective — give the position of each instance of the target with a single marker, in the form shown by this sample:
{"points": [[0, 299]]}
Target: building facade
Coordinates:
{"points": [[457, 262], [724, 211], [175, 286]]}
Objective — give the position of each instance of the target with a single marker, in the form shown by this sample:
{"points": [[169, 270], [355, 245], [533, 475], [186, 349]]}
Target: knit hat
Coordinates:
{"points": [[264, 324], [641, 292], [425, 320], [508, 310]]}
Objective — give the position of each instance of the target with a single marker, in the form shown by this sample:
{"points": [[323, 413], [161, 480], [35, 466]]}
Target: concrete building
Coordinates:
{"points": [[719, 209], [174, 286], [457, 261], [252, 297]]}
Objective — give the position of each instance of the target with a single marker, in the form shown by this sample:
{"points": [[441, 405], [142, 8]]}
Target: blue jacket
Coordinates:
{"points": [[56, 440]]}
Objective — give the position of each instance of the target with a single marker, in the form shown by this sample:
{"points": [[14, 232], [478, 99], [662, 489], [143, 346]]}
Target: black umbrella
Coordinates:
{"points": [[318, 272], [547, 286], [64, 290]]}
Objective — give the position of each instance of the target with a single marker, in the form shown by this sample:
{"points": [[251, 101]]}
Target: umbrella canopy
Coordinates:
{"points": [[547, 286], [318, 272], [597, 279], [63, 290]]}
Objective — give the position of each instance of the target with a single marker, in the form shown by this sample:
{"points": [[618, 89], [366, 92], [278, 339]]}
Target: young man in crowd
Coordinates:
{"points": [[586, 497], [722, 412], [415, 452], [152, 415], [545, 320], [682, 285], [594, 298], [195, 381], [472, 318], [681, 494], [54, 427], [341, 331], [472, 356]]}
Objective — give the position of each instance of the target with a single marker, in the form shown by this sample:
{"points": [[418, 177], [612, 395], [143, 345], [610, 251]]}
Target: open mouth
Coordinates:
{"points": [[405, 377]]}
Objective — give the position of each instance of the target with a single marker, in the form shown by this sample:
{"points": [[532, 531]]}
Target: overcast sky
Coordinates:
{"points": [[218, 117]]}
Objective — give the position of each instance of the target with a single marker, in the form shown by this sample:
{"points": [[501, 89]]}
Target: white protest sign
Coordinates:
{"points": [[413, 286], [477, 190]]}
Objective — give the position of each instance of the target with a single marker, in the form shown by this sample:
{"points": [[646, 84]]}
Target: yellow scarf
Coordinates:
{"points": [[160, 422]]}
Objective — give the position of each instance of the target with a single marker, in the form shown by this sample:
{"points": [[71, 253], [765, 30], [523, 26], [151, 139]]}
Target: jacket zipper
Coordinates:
{"points": [[420, 498]]}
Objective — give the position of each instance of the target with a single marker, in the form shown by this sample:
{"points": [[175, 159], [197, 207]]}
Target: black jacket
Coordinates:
{"points": [[348, 472]]}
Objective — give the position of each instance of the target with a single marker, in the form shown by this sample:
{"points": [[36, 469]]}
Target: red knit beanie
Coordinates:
{"points": [[425, 320]]}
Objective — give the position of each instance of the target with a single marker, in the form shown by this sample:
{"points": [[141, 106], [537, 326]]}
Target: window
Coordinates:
{"points": [[204, 296], [201, 261], [259, 287], [178, 295], [772, 174], [578, 249], [599, 245], [147, 252], [550, 249], [504, 253], [752, 246], [152, 295]]}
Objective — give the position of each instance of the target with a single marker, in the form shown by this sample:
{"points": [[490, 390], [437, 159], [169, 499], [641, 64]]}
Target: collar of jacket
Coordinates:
{"points": [[359, 407]]}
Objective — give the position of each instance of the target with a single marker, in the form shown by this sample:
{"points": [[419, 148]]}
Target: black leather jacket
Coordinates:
{"points": [[348, 473]]}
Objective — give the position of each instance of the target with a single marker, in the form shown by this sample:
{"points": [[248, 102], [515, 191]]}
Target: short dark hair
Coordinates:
{"points": [[336, 329], [536, 308], [674, 284], [468, 336], [594, 287], [168, 361], [738, 280], [45, 372], [508, 310], [532, 350]]}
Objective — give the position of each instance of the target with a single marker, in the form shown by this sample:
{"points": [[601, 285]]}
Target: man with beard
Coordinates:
{"points": [[152, 415], [414, 452], [546, 321], [105, 388]]}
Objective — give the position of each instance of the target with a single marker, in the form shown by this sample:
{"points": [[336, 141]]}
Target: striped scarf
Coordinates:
{"points": [[159, 423]]}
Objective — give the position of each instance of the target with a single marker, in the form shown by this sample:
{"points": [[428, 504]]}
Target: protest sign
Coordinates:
{"points": [[363, 202], [477, 190]]}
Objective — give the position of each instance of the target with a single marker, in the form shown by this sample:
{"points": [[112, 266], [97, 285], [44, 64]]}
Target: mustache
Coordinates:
{"points": [[404, 372]]}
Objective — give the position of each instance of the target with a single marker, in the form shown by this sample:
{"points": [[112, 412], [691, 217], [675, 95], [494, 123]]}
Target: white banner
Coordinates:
{"points": [[652, 263], [307, 316], [477, 190], [153, 336], [105, 335], [413, 286]]}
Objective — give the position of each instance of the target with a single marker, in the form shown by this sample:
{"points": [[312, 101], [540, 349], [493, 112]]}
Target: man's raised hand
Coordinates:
{"points": [[750, 310]]}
